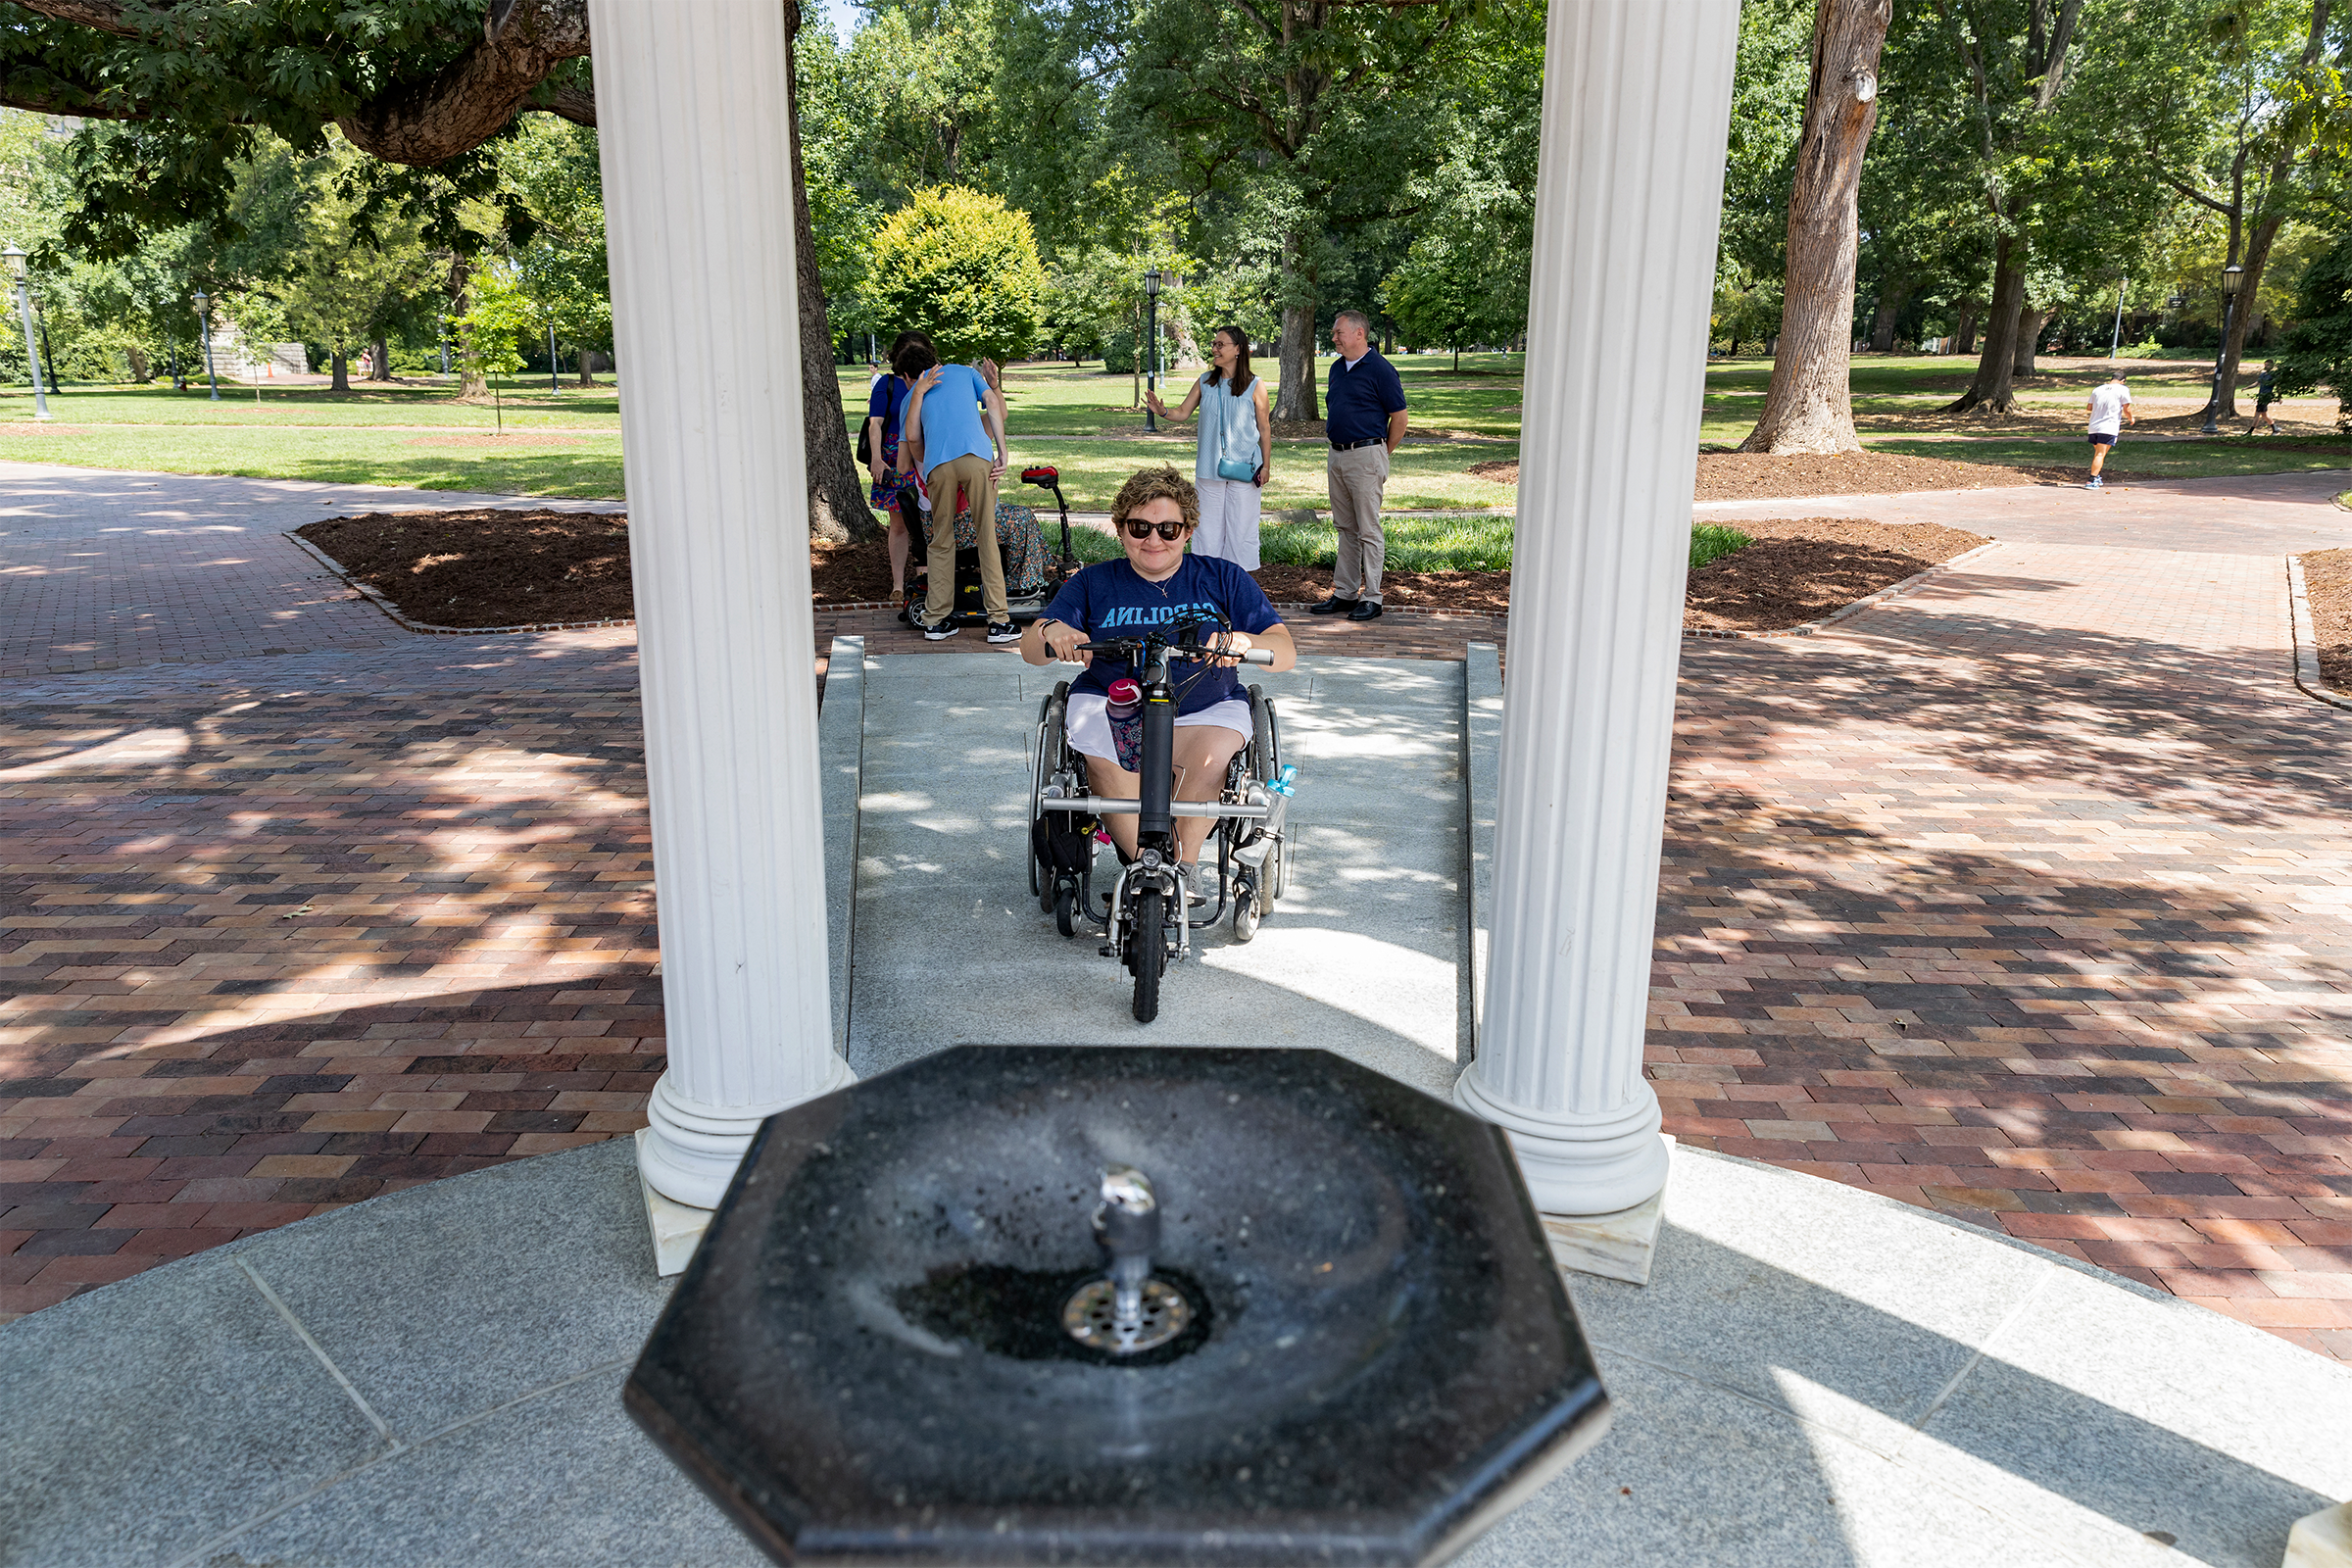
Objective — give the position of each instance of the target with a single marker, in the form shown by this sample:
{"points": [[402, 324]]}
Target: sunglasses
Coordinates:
{"points": [[1139, 529]]}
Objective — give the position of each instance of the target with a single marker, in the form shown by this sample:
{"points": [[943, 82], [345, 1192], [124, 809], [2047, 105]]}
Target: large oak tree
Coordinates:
{"points": [[1808, 407], [423, 84]]}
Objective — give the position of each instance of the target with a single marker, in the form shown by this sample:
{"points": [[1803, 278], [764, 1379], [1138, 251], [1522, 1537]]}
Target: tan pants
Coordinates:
{"points": [[974, 474], [1356, 478]]}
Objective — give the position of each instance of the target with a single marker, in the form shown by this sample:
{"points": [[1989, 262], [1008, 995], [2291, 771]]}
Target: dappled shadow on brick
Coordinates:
{"points": [[273, 955], [2066, 959]]}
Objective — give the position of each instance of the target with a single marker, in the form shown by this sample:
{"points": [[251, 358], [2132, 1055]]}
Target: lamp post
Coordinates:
{"points": [[32, 360], [204, 319], [2232, 275], [2116, 348], [551, 384], [1151, 345], [441, 330]]}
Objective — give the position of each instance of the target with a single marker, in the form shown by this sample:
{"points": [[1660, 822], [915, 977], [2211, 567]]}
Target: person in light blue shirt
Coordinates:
{"points": [[955, 421], [1236, 451]]}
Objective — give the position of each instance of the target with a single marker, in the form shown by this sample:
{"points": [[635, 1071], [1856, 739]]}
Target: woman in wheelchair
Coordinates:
{"points": [[1159, 581]]}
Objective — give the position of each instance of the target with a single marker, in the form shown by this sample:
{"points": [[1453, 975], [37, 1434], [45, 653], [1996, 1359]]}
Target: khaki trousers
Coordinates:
{"points": [[1356, 478], [973, 473]]}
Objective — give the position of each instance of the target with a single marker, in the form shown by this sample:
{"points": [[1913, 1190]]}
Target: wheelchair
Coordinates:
{"points": [[1034, 571], [1142, 917]]}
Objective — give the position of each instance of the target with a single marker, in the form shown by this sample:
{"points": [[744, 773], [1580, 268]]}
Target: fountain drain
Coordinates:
{"points": [[1129, 1311]]}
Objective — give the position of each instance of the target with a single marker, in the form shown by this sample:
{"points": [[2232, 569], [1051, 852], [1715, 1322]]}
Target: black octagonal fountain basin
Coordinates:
{"points": [[1120, 1305]]}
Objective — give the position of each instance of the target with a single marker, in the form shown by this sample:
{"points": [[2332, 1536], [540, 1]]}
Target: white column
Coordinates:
{"points": [[1637, 97], [691, 106]]}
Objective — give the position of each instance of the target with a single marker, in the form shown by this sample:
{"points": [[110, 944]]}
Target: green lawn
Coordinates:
{"points": [[1077, 419], [526, 404]]}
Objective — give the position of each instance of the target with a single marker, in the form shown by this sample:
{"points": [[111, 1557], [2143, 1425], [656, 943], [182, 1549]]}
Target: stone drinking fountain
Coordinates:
{"points": [[1121, 1305]]}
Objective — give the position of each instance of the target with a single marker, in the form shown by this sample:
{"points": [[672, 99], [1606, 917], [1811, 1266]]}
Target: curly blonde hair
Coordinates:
{"points": [[1155, 485]]}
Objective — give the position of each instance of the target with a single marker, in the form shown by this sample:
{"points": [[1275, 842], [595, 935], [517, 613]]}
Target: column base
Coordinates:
{"points": [[1615, 1247], [1579, 1165], [690, 1151], [677, 1228], [2321, 1539]]}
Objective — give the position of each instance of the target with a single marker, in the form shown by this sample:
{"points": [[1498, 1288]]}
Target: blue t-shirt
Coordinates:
{"points": [[886, 402], [1110, 598], [952, 422], [1358, 400]]}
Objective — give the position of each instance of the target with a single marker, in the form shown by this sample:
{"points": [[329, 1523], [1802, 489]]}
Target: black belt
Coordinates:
{"points": [[1351, 445]]}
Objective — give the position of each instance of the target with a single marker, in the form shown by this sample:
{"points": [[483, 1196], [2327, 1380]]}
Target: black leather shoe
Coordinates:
{"points": [[1365, 609], [1333, 606]]}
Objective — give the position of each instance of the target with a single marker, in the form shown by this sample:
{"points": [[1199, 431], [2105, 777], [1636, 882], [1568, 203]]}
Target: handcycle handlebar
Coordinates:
{"points": [[1247, 655]]}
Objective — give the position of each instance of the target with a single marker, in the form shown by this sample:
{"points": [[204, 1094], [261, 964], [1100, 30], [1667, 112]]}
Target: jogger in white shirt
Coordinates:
{"points": [[2110, 411]]}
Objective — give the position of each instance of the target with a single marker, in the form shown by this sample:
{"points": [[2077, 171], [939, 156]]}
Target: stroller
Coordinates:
{"points": [[1033, 573]]}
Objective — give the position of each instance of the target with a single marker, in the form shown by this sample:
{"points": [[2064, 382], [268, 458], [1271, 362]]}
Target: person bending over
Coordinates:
{"points": [[1159, 582]]}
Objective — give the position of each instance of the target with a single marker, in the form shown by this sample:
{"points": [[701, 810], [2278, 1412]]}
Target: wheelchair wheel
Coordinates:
{"points": [[1149, 952], [1065, 909], [1265, 756], [1244, 916], [1050, 742]]}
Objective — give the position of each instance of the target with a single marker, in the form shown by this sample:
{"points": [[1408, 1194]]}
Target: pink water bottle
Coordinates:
{"points": [[1124, 698]]}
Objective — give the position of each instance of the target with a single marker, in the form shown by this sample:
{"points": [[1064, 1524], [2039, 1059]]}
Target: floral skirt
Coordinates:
{"points": [[1018, 536], [896, 489]]}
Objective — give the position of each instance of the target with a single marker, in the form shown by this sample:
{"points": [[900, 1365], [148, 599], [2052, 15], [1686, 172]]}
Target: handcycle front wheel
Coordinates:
{"points": [[1149, 949]]}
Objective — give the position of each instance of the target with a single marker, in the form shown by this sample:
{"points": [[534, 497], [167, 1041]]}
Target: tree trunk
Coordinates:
{"points": [[471, 383], [2243, 319], [1295, 358], [1893, 296], [1808, 407], [837, 509], [2030, 323], [587, 376], [379, 360], [1963, 336], [341, 367], [1997, 366], [140, 369]]}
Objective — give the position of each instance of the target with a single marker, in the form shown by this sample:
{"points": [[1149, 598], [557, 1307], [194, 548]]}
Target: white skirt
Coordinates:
{"points": [[1088, 722], [1230, 509]]}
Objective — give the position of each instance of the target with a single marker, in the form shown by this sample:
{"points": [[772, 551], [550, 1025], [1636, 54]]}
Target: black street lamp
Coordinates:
{"points": [[1151, 350], [2231, 277], [551, 384], [204, 319], [32, 361]]}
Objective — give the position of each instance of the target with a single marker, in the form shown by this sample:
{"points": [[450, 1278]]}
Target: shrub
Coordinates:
{"points": [[963, 266]]}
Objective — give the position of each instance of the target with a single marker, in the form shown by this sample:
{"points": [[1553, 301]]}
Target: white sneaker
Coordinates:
{"points": [[2095, 483], [1186, 874]]}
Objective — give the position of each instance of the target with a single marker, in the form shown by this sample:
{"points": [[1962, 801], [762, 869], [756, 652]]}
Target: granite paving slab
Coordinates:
{"points": [[1767, 1389]]}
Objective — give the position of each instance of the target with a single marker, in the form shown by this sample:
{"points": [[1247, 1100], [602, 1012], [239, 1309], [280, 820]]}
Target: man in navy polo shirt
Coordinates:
{"points": [[1363, 409]]}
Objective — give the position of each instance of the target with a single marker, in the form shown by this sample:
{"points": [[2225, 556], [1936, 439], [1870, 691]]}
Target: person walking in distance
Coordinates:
{"points": [[956, 423], [2262, 390], [1236, 450], [2110, 411], [1364, 420]]}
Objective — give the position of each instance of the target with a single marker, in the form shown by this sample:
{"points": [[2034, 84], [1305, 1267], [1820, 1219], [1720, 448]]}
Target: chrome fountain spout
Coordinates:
{"points": [[1128, 1312]]}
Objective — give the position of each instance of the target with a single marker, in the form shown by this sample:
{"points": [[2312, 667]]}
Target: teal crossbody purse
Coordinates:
{"points": [[1236, 468]]}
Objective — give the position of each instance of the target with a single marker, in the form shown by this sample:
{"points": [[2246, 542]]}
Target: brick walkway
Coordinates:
{"points": [[2023, 898]]}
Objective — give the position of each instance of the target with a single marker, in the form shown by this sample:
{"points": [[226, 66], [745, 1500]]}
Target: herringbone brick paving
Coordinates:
{"points": [[2023, 897]]}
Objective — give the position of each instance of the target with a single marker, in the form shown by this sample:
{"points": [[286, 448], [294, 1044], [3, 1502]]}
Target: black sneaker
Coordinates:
{"points": [[1004, 631], [935, 633], [1331, 607]]}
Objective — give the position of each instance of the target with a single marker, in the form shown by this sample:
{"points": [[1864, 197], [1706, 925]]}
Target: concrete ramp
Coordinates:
{"points": [[1363, 955]]}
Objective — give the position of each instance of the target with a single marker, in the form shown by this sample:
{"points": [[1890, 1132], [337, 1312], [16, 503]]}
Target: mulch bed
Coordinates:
{"points": [[2327, 585], [1802, 568], [503, 569], [1761, 476], [486, 567]]}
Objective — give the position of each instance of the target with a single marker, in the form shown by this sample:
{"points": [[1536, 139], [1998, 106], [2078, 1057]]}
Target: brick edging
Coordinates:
{"points": [[375, 598], [2308, 678], [1892, 591]]}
